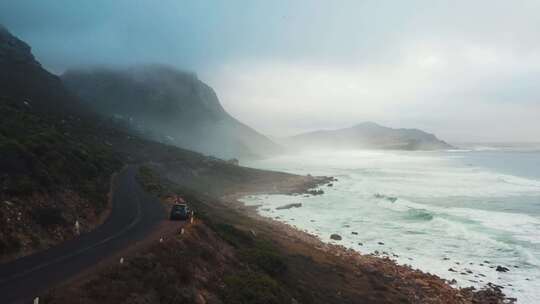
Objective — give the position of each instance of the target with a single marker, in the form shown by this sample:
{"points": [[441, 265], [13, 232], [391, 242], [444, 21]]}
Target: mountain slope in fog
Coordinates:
{"points": [[367, 135], [57, 157], [170, 106], [23, 78]]}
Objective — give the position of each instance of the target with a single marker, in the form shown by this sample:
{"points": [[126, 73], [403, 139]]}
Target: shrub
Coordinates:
{"points": [[232, 235], [253, 287], [266, 259], [9, 244], [150, 180], [48, 217]]}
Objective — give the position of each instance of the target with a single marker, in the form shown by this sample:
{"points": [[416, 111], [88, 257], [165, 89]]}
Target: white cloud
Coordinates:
{"points": [[467, 70], [461, 92]]}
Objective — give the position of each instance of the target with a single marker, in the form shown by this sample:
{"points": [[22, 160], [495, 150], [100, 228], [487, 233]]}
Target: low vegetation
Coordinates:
{"points": [[38, 154], [50, 176], [149, 180]]}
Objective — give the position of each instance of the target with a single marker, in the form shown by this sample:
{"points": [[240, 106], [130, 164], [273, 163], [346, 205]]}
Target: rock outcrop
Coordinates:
{"points": [[23, 78], [335, 237], [289, 206]]}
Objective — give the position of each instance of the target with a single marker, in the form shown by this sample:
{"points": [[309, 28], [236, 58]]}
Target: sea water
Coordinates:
{"points": [[457, 214]]}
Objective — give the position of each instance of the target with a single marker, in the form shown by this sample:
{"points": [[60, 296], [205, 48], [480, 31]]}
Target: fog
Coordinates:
{"points": [[464, 71]]}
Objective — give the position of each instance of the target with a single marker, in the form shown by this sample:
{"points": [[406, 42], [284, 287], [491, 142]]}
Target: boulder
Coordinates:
{"points": [[315, 192], [289, 206], [335, 237], [502, 269]]}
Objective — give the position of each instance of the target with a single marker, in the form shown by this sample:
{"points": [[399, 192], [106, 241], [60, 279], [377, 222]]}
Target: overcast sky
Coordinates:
{"points": [[465, 70]]}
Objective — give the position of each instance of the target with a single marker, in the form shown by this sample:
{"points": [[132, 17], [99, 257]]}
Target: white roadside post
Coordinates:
{"points": [[77, 228], [121, 260], [36, 300]]}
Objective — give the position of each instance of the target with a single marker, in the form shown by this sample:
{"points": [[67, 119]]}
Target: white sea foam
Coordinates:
{"points": [[432, 209]]}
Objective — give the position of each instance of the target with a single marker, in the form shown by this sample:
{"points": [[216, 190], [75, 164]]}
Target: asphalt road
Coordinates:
{"points": [[134, 214]]}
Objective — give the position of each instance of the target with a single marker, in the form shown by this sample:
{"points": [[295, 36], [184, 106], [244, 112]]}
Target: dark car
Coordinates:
{"points": [[180, 212]]}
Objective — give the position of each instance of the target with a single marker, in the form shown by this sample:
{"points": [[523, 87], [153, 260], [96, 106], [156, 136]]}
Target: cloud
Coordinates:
{"points": [[461, 92], [462, 69]]}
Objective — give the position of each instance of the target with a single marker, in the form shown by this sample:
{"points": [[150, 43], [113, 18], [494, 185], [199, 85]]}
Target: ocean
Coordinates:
{"points": [[457, 214]]}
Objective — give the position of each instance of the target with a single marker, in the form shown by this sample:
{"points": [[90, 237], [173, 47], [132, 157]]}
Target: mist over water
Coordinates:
{"points": [[468, 211]]}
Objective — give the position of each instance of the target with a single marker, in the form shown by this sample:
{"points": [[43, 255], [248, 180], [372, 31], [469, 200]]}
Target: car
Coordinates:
{"points": [[180, 212]]}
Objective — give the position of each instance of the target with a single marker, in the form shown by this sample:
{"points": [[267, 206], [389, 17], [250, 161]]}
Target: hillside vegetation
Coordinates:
{"points": [[52, 174]]}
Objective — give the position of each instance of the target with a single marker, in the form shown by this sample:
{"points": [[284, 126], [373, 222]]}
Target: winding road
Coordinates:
{"points": [[134, 214]]}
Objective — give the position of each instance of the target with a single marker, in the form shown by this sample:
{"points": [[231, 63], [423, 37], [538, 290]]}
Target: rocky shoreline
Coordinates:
{"points": [[413, 282], [231, 254]]}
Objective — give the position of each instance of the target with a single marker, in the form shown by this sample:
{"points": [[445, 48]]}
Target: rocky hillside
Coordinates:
{"points": [[367, 135], [23, 78], [170, 106], [57, 157], [52, 171]]}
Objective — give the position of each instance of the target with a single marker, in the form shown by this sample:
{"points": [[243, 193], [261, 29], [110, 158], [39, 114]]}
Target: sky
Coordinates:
{"points": [[468, 71]]}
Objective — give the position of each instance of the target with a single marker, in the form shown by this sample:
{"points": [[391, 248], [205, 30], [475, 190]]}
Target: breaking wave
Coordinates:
{"points": [[434, 210]]}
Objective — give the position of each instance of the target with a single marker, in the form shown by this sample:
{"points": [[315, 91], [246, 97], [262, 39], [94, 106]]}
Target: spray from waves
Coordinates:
{"points": [[435, 211], [410, 213], [419, 215], [521, 226]]}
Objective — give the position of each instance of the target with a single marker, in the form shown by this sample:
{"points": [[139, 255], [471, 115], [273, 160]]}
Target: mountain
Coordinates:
{"points": [[54, 169], [23, 78], [168, 105], [57, 157], [367, 135]]}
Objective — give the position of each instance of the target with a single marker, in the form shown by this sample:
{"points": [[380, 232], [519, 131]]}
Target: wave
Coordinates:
{"points": [[414, 214], [419, 215], [438, 209]]}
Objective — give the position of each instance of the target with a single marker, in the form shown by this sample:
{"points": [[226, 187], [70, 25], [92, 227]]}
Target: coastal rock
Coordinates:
{"points": [[335, 237], [502, 269], [315, 192], [289, 206]]}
